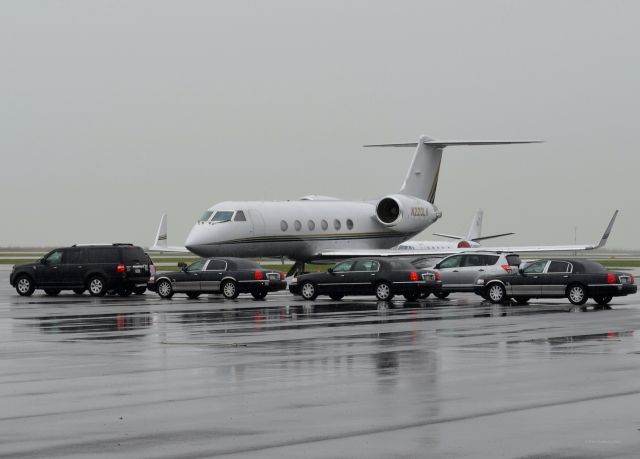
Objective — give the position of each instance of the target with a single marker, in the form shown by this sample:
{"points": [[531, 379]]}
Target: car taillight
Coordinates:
{"points": [[632, 280], [437, 275], [152, 270], [283, 276], [611, 278], [258, 275], [507, 268], [413, 276], [120, 268]]}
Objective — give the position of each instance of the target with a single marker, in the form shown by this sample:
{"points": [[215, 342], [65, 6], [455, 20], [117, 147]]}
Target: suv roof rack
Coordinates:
{"points": [[117, 244]]}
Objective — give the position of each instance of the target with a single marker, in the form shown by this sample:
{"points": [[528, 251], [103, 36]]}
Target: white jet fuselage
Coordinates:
{"points": [[301, 229]]}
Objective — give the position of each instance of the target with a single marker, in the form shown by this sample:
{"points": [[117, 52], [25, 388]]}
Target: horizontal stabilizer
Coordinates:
{"points": [[453, 143]]}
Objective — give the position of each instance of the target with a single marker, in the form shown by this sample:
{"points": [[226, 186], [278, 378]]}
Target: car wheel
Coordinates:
{"points": [[336, 296], [308, 290], [260, 294], [193, 295], [78, 291], [97, 286], [425, 295], [165, 289], [521, 300], [230, 289], [384, 292], [440, 294], [52, 291], [577, 294], [125, 291], [496, 293], [24, 286], [139, 290], [602, 300], [411, 296]]}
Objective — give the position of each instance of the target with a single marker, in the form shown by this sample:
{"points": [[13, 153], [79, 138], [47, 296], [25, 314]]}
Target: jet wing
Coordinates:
{"points": [[160, 242], [339, 254]]}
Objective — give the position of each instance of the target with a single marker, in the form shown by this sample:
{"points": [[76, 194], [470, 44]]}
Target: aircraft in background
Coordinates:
{"points": [[473, 238], [321, 228]]}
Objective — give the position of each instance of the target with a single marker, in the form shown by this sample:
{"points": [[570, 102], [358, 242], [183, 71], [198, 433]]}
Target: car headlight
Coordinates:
{"points": [[480, 282]]}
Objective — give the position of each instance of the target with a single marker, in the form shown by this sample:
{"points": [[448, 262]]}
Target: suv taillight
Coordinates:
{"points": [[413, 276], [437, 275], [507, 268], [632, 280], [120, 268], [258, 275], [283, 276], [611, 278]]}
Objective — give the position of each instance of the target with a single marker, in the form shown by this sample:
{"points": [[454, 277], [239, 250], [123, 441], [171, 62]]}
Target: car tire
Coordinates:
{"points": [[440, 294], [193, 295], [577, 294], [384, 291], [308, 291], [521, 300], [336, 296], [52, 291], [230, 289], [411, 296], [602, 300], [425, 295], [25, 286], [125, 291], [260, 294], [78, 291], [139, 290], [97, 286], [164, 289], [496, 293]]}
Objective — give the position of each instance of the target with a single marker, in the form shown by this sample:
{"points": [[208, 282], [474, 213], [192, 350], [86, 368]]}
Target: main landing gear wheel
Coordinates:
{"points": [[336, 296], [308, 290], [259, 295], [97, 286], [440, 294], [497, 293], [384, 292], [78, 291], [52, 291], [164, 289], [602, 300], [193, 295], [24, 286], [230, 289], [577, 294]]}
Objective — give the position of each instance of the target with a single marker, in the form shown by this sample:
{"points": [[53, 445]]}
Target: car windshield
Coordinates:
{"points": [[222, 216], [205, 216]]}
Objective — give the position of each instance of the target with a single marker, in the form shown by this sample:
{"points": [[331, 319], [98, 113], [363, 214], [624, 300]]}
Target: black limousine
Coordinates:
{"points": [[571, 278], [381, 277], [229, 276]]}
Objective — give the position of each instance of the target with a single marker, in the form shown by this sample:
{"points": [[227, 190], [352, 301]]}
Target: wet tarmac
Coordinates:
{"points": [[284, 378]]}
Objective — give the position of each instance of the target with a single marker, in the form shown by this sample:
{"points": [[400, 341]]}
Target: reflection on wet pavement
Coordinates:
{"points": [[286, 378]]}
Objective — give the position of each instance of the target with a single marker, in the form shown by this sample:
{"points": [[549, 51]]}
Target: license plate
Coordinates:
{"points": [[273, 276], [137, 270], [624, 280]]}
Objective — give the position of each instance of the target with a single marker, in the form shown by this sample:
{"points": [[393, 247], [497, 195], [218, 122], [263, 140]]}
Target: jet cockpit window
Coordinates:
{"points": [[222, 216], [239, 217], [205, 216]]}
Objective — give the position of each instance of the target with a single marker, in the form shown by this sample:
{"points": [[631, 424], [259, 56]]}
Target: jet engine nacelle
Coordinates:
{"points": [[406, 213]]}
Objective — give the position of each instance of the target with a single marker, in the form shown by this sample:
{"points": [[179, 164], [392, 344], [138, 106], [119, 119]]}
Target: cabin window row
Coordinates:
{"points": [[311, 225]]}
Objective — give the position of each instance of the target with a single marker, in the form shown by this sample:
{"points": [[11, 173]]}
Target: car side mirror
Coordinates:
{"points": [[521, 271], [182, 265], [42, 261], [330, 270]]}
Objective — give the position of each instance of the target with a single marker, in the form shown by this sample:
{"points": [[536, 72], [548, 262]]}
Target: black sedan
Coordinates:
{"points": [[574, 279], [381, 277], [229, 276]]}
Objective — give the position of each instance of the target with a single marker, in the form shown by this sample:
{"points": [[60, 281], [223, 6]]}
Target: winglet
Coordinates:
{"points": [[607, 232]]}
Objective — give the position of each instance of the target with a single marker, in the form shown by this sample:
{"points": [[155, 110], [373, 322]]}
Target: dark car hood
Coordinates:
{"points": [[33, 264]]}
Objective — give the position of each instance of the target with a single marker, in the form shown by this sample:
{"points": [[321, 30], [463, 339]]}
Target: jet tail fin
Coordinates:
{"points": [[160, 242]]}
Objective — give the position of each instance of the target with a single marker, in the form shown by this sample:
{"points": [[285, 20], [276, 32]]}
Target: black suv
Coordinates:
{"points": [[121, 268]]}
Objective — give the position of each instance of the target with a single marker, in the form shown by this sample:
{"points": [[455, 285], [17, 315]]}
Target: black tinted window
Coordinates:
{"points": [[513, 260], [216, 265], [400, 265], [134, 255], [558, 267], [593, 267], [343, 267], [103, 255], [73, 256], [535, 268], [422, 263], [196, 266], [473, 260], [490, 260], [54, 258], [366, 265], [245, 264], [451, 262]]}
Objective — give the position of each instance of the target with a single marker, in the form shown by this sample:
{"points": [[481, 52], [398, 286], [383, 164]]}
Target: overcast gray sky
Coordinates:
{"points": [[112, 112]]}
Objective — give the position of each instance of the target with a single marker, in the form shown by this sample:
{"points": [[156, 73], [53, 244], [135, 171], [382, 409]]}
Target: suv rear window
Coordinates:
{"points": [[513, 260], [134, 255], [103, 255]]}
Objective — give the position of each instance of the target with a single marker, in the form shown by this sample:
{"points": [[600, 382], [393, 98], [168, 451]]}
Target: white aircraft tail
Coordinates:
{"points": [[475, 230], [422, 177], [160, 243]]}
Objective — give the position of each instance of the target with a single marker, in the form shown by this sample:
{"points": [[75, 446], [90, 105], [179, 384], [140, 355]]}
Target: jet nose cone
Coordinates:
{"points": [[197, 235]]}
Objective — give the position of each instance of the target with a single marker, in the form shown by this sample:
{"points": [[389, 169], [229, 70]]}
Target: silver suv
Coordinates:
{"points": [[460, 271]]}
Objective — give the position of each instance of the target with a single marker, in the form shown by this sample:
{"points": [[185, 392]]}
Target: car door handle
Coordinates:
{"points": [[535, 277], [565, 277], [79, 266], [481, 270], [455, 270]]}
